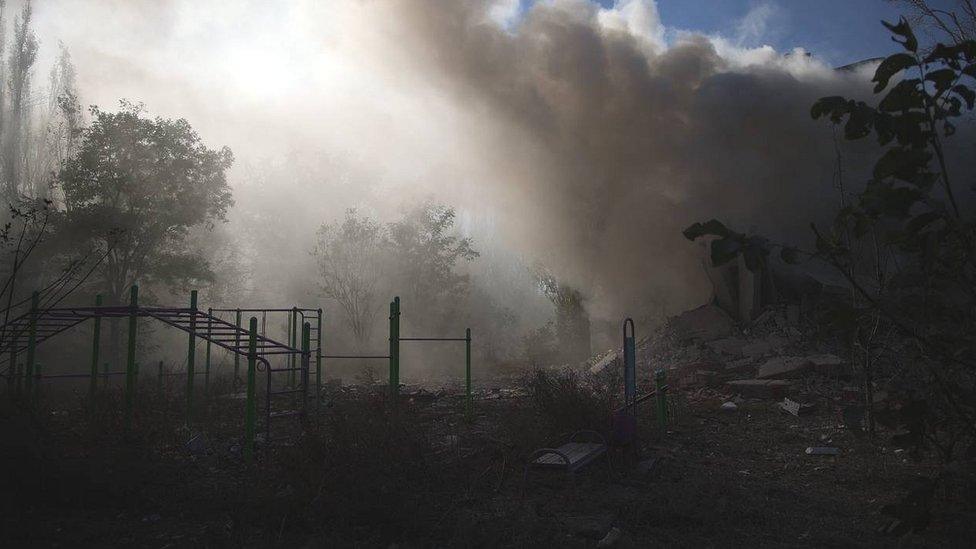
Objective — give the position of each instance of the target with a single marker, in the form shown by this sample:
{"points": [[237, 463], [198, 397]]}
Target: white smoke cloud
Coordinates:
{"points": [[588, 136]]}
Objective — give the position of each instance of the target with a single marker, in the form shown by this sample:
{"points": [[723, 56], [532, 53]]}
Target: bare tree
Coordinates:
{"points": [[953, 24], [350, 264]]}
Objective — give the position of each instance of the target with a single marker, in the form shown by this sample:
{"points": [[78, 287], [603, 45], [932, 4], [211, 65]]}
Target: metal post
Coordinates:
{"points": [[237, 345], [31, 343], [191, 353], [37, 382], [318, 362], [105, 374], [250, 410], [467, 371], [294, 344], [130, 362], [662, 406], [159, 379], [306, 362], [630, 367], [396, 341], [206, 368], [96, 335], [393, 385], [13, 380]]}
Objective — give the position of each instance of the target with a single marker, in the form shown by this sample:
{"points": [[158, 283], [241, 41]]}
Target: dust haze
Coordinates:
{"points": [[569, 135]]}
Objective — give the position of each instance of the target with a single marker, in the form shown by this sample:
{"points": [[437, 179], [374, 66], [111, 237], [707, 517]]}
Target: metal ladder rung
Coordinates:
{"points": [[289, 392], [285, 413]]}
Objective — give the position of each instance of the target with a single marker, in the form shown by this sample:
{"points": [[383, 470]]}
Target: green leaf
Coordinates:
{"points": [[713, 227], [902, 163], [860, 121], [902, 97], [968, 95], [835, 106], [891, 66], [942, 78], [904, 30]]}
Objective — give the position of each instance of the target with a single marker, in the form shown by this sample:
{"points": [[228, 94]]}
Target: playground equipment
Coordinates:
{"points": [[25, 332], [625, 418], [394, 354]]}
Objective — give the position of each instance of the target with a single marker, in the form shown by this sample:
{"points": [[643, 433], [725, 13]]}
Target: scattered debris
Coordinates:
{"points": [[706, 323], [822, 451], [760, 388], [611, 539], [795, 408], [784, 367], [729, 406], [608, 358], [827, 364], [197, 445]]}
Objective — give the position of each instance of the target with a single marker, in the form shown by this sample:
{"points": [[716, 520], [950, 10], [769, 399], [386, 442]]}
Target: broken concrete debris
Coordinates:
{"points": [[822, 451], [783, 367], [760, 388], [729, 406], [605, 360], [706, 323]]}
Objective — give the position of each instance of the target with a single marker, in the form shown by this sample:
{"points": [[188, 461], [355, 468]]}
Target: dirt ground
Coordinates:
{"points": [[367, 473]]}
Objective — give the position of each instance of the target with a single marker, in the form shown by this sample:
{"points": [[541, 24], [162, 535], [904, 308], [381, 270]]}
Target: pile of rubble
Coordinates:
{"points": [[706, 348], [761, 360]]}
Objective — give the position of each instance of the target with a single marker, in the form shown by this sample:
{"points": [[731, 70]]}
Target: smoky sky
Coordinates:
{"points": [[582, 136]]}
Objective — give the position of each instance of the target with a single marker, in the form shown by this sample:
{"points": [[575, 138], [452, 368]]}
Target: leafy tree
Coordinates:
{"points": [[363, 264], [425, 252], [350, 257], [572, 320], [134, 187], [919, 278]]}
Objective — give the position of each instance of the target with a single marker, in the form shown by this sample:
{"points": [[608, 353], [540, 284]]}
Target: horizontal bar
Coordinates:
{"points": [[58, 376], [288, 413], [433, 339], [354, 356], [287, 392], [264, 310]]}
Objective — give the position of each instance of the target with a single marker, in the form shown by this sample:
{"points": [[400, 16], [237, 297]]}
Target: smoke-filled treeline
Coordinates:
{"points": [[522, 170]]}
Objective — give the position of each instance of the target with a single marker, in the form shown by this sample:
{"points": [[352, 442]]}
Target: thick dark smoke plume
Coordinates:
{"points": [[583, 137]]}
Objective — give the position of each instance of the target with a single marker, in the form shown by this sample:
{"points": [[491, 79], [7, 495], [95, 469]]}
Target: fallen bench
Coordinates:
{"points": [[569, 457]]}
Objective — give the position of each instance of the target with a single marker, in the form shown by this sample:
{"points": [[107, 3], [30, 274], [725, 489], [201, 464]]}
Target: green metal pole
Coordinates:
{"points": [[294, 344], [396, 341], [13, 379], [306, 362], [96, 336], [467, 371], [662, 406], [237, 345], [250, 410], [37, 382], [31, 344], [393, 385], [191, 355], [318, 362], [130, 362], [206, 370]]}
